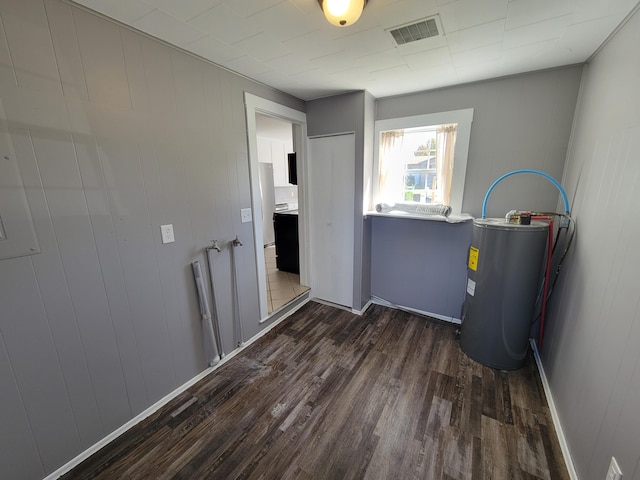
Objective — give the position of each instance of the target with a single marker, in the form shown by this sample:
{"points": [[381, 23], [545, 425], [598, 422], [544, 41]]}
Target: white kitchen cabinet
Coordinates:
{"points": [[279, 160], [264, 150], [275, 152]]}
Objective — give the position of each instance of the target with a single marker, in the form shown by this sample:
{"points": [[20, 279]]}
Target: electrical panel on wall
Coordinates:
{"points": [[17, 233]]}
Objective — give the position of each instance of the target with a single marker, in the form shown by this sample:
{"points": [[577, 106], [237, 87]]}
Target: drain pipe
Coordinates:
{"points": [[237, 243], [216, 318], [545, 292], [210, 348]]}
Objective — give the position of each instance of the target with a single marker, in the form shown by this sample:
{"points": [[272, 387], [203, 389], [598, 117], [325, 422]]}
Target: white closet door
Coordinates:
{"points": [[332, 178]]}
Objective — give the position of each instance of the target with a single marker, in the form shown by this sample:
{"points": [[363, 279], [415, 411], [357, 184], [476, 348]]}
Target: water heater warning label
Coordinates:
{"points": [[473, 258], [471, 287]]}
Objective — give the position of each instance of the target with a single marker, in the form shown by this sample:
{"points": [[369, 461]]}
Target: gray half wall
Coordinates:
{"points": [[420, 264]]}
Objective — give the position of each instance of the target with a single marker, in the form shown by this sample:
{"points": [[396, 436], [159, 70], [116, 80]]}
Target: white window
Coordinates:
{"points": [[423, 158]]}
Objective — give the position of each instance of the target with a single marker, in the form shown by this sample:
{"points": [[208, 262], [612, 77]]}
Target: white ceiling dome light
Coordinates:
{"points": [[342, 13]]}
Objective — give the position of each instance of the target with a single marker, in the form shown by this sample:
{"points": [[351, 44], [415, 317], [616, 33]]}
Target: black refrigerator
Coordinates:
{"points": [[285, 226]]}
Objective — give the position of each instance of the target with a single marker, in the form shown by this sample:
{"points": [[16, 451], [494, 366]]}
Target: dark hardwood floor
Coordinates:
{"points": [[331, 395]]}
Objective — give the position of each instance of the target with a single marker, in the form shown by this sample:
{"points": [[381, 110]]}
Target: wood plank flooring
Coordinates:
{"points": [[332, 395]]}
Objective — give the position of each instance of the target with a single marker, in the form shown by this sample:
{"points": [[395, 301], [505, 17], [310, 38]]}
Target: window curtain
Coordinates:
{"points": [[445, 145], [390, 172]]}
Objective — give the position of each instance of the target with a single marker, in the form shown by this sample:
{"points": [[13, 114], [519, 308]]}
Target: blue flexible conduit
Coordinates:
{"points": [[536, 172]]}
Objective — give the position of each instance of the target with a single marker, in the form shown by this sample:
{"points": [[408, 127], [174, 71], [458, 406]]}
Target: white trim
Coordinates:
{"points": [[288, 309], [74, 462], [464, 119], [364, 309], [337, 134], [451, 219], [331, 304], [344, 307], [253, 105], [437, 316], [564, 446]]}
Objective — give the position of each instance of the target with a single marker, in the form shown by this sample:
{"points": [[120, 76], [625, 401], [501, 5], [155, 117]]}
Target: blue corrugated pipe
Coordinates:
{"points": [[536, 172]]}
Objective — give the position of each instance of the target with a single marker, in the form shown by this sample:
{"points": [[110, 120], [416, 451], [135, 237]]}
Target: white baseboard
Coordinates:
{"points": [[331, 304], [67, 467], [437, 316], [364, 309], [74, 462], [287, 310], [564, 446]]}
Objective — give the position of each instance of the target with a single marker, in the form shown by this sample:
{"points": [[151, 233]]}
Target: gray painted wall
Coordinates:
{"points": [[518, 122], [590, 351], [115, 134]]}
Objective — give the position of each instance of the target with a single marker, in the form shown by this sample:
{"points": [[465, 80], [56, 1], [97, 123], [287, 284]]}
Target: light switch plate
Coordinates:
{"points": [[167, 233], [614, 472], [245, 215]]}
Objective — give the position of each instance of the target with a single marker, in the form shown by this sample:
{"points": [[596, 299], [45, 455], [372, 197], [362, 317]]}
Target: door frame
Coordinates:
{"points": [[254, 104]]}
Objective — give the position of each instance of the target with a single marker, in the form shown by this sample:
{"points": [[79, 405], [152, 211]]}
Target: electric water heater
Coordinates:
{"points": [[504, 270]]}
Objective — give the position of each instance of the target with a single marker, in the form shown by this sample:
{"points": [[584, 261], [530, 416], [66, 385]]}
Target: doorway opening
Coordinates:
{"points": [[282, 287], [277, 286], [279, 201]]}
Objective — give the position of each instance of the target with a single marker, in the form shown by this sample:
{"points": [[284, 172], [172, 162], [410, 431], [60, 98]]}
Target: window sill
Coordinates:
{"points": [[453, 218]]}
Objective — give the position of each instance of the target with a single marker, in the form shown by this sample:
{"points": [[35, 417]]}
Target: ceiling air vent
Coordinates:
{"points": [[416, 31]]}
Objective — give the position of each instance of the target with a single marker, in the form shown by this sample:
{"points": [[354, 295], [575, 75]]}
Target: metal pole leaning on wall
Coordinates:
{"points": [[210, 347], [234, 244], [214, 246]]}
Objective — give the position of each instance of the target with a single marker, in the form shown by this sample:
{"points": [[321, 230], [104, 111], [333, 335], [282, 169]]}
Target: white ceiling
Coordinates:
{"points": [[287, 44]]}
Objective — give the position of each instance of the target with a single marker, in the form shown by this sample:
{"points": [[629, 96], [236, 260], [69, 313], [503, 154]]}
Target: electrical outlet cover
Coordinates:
{"points": [[245, 215], [167, 233]]}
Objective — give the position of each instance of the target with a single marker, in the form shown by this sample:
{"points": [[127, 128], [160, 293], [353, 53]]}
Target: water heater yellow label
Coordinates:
{"points": [[473, 258]]}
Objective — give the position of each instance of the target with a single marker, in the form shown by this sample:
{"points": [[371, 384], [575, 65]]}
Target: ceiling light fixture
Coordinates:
{"points": [[342, 13]]}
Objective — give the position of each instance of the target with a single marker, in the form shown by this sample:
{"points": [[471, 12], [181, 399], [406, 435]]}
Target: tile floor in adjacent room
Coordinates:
{"points": [[282, 287]]}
